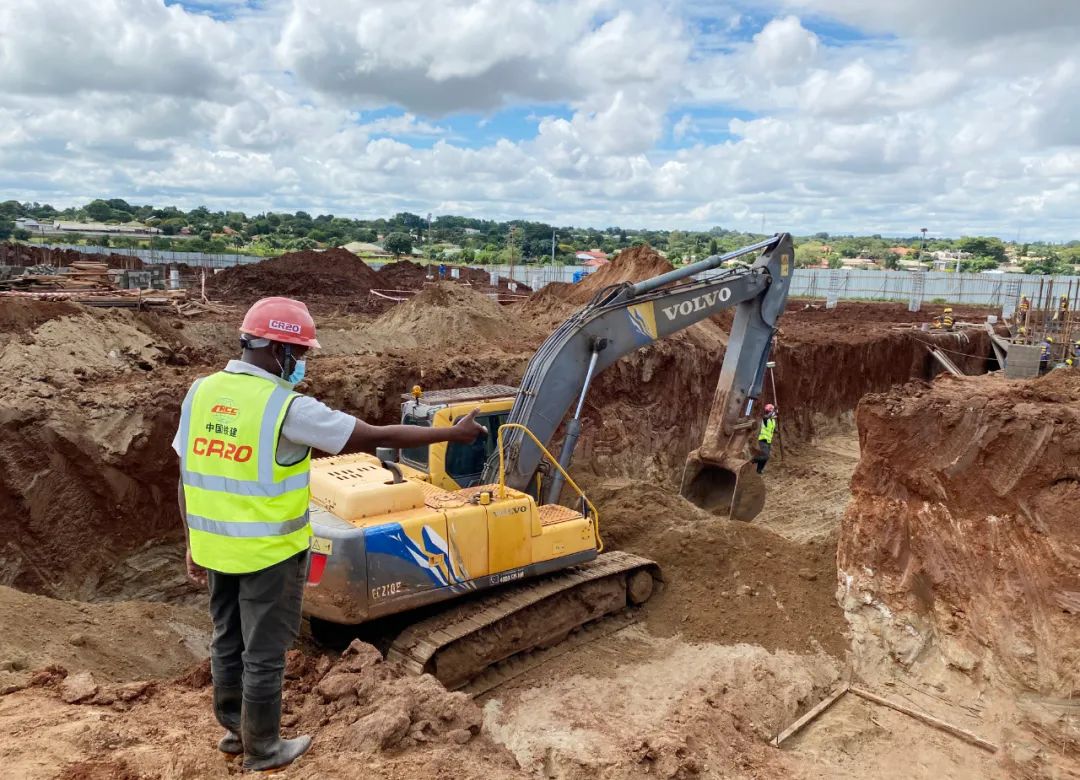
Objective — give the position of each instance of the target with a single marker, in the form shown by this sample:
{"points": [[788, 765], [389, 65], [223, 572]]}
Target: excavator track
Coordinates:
{"points": [[459, 645]]}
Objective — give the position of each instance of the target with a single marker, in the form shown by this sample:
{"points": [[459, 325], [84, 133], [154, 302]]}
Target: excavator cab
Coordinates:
{"points": [[455, 465]]}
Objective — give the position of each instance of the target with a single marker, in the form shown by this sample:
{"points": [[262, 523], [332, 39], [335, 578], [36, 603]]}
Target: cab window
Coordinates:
{"points": [[416, 457], [465, 462]]}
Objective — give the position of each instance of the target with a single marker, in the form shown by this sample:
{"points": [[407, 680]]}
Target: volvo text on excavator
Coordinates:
{"points": [[403, 530]]}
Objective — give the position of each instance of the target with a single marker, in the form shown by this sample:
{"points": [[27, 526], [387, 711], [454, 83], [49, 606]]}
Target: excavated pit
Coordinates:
{"points": [[87, 501]]}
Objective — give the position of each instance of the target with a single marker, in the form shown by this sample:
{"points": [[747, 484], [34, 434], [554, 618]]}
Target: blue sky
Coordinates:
{"points": [[805, 115]]}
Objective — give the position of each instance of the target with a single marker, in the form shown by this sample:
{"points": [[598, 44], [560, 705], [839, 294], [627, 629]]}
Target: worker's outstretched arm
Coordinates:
{"points": [[365, 437]]}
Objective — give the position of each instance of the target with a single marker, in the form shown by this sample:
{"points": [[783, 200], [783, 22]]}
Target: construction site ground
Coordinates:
{"points": [[886, 529]]}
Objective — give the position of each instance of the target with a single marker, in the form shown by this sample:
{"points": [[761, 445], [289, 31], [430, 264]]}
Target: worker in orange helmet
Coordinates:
{"points": [[245, 442]]}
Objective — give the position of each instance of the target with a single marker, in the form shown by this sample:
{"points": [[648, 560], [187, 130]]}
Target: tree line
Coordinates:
{"points": [[482, 241]]}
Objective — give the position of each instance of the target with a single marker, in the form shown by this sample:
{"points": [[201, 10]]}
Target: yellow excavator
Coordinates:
{"points": [[481, 523]]}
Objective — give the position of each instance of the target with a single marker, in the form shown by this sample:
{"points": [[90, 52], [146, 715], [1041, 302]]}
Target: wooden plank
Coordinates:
{"points": [[812, 713], [930, 720]]}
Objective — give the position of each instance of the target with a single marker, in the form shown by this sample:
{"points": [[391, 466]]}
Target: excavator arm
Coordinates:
{"points": [[625, 317]]}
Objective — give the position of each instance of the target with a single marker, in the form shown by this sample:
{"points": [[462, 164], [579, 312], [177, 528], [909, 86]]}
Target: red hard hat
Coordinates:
{"points": [[769, 408], [281, 319]]}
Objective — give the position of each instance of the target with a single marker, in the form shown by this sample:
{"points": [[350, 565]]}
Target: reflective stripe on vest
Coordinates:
{"points": [[244, 511], [768, 428]]}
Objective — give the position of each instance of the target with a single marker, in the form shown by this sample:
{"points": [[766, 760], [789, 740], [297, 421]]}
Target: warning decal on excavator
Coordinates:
{"points": [[785, 265], [643, 319], [320, 545]]}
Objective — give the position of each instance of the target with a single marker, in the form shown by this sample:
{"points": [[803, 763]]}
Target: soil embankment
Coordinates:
{"points": [[960, 547], [963, 524]]}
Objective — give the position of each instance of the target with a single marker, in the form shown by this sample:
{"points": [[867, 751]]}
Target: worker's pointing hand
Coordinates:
{"points": [[467, 429]]}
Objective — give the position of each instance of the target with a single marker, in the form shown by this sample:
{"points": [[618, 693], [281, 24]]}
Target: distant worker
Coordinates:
{"points": [[245, 442], [1025, 304], [943, 321], [765, 437], [1045, 354], [1076, 350], [1063, 308]]}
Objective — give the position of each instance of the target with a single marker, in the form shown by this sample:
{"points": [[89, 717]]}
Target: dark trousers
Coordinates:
{"points": [[764, 450], [256, 619]]}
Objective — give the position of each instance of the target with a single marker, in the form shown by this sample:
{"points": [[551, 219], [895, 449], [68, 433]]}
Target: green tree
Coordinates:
{"points": [[398, 244], [7, 227], [1051, 264], [21, 234], [978, 264], [981, 246], [99, 210]]}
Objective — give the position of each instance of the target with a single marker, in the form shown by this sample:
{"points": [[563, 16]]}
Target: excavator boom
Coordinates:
{"points": [[625, 317]]}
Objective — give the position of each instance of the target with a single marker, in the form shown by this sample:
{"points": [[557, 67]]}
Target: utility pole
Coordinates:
{"points": [[510, 247], [553, 247]]}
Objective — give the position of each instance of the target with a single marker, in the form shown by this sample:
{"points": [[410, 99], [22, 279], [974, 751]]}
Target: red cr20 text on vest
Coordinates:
{"points": [[221, 449]]}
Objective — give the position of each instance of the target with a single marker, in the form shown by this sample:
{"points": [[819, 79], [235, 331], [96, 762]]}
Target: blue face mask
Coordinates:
{"points": [[297, 374]]}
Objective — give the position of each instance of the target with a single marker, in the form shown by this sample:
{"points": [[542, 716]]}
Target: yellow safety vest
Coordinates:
{"points": [[768, 429], [244, 511]]}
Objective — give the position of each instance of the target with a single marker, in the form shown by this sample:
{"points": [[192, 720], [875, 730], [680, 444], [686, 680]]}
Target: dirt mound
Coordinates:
{"points": [[335, 274], [961, 538], [725, 581], [19, 316], [630, 265], [360, 710], [643, 706], [447, 314], [115, 642], [549, 306], [402, 275], [26, 255]]}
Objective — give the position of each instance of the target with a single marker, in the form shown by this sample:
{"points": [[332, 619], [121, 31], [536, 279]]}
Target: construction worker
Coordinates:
{"points": [[947, 319], [1063, 308], [765, 437], [1025, 304], [1076, 350], [245, 442], [1044, 355]]}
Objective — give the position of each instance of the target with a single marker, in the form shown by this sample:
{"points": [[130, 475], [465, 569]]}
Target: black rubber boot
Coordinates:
{"points": [[227, 706], [264, 749]]}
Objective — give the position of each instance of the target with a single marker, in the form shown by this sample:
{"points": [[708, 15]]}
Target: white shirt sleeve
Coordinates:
{"points": [[311, 423], [176, 443]]}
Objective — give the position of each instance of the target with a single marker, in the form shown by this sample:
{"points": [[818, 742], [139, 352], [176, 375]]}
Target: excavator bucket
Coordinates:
{"points": [[732, 486]]}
